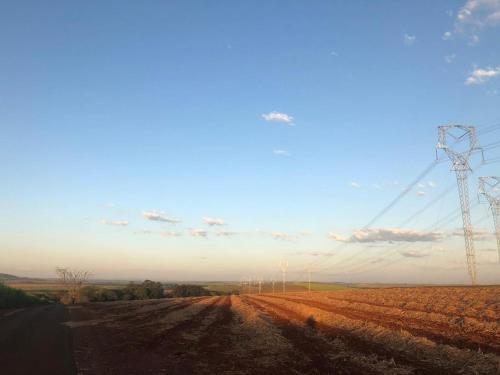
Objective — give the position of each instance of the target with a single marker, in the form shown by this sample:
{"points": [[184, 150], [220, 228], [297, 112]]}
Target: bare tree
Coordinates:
{"points": [[74, 281]]}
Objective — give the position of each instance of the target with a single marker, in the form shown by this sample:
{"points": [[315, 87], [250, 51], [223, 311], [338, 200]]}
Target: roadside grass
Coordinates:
{"points": [[14, 298]]}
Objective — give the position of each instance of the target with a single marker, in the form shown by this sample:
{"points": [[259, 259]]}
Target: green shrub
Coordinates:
{"points": [[189, 291], [11, 298], [145, 290]]}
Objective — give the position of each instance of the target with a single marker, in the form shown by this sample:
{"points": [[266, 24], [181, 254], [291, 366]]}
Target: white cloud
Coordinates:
{"points": [[449, 58], [212, 221], [409, 39], [432, 184], [197, 232], [337, 237], [333, 53], [120, 223], [355, 184], [281, 152], [278, 117], [420, 193], [476, 15], [158, 216], [377, 186], [413, 254], [168, 233], [389, 235], [447, 35], [479, 76], [421, 185]]}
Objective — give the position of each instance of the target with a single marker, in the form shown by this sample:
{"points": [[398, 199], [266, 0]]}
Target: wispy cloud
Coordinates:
{"points": [[284, 236], [281, 152], [337, 237], [158, 216], [479, 76], [143, 231], [278, 117], [409, 39], [449, 58], [355, 184], [225, 233], [476, 15], [315, 253], [168, 233], [420, 193], [447, 35], [388, 235], [213, 221], [479, 234], [413, 254], [120, 223], [432, 184], [197, 232]]}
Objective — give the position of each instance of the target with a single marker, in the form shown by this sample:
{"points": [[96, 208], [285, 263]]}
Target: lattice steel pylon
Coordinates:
{"points": [[460, 164], [489, 191]]}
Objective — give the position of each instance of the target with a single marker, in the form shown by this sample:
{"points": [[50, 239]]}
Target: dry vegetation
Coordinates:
{"points": [[382, 331]]}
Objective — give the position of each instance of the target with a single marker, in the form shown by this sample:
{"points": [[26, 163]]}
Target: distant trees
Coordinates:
{"points": [[189, 291], [74, 281], [146, 290]]}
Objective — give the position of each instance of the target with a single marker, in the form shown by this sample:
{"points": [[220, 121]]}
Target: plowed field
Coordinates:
{"points": [[381, 331]]}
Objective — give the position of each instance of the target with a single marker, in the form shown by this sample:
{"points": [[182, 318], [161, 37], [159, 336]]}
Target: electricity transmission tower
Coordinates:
{"points": [[284, 266], [459, 153], [489, 191]]}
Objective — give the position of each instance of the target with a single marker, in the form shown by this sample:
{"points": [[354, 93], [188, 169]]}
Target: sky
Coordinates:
{"points": [[196, 140]]}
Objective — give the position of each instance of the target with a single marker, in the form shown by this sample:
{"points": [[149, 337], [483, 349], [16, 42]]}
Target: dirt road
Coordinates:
{"points": [[34, 341]]}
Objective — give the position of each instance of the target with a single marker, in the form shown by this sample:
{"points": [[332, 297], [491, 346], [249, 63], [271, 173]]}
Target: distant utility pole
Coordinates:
{"points": [[459, 156], [489, 191], [260, 285], [273, 285], [284, 266]]}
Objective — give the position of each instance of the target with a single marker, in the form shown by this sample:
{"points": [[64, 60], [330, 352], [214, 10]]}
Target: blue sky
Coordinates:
{"points": [[114, 113]]}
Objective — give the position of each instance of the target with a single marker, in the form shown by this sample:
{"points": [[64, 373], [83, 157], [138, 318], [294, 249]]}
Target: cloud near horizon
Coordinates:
{"points": [[213, 221], [478, 234], [158, 216], [388, 235], [167, 233], [121, 223], [413, 254], [225, 234], [198, 232]]}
